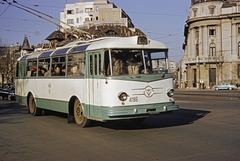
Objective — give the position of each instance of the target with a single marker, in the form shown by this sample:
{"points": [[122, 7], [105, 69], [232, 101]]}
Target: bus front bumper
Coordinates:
{"points": [[138, 111]]}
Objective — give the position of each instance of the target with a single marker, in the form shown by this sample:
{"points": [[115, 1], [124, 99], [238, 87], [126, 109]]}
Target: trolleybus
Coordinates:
{"points": [[103, 79]]}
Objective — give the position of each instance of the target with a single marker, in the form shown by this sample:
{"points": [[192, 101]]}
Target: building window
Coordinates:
{"points": [[212, 30], [97, 8], [238, 70], [238, 28], [88, 10], [97, 18], [77, 20], [87, 19], [238, 8], [212, 50], [239, 48], [197, 32], [211, 11], [197, 50], [70, 12], [195, 12], [69, 21]]}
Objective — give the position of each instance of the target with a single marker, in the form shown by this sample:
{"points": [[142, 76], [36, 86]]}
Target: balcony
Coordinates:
{"points": [[201, 1], [212, 59]]}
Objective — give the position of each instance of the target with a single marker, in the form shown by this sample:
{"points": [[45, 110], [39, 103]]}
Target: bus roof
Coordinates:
{"points": [[134, 42], [125, 43]]}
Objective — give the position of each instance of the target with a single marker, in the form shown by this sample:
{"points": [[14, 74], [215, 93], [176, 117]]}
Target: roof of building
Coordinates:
{"points": [[26, 45], [56, 35]]}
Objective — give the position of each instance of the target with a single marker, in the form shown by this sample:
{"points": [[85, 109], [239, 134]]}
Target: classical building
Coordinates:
{"points": [[212, 43]]}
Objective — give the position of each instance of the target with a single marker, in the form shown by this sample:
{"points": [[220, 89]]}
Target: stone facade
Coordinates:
{"points": [[8, 57], [212, 43]]}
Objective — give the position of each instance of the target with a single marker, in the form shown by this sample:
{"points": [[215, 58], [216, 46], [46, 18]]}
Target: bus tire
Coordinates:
{"points": [[80, 119], [32, 107]]}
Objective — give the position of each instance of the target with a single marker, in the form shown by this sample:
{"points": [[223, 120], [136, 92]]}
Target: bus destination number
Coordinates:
{"points": [[133, 99]]}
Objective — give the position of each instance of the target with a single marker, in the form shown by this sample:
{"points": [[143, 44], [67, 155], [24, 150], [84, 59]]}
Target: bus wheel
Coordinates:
{"points": [[32, 107], [80, 119]]}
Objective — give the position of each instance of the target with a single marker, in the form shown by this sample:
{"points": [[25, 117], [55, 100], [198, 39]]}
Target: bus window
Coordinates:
{"points": [[17, 70], [58, 64], [32, 68], [95, 65], [76, 65], [44, 67], [157, 62], [124, 62], [91, 65], [100, 64]]}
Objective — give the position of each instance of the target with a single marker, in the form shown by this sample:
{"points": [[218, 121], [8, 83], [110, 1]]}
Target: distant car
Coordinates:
{"points": [[8, 91], [227, 86]]}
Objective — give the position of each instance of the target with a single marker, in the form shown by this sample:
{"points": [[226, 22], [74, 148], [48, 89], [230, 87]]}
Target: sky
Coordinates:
{"points": [[161, 20]]}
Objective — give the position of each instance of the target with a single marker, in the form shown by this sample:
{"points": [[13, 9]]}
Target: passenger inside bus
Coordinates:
{"points": [[41, 71], [57, 71], [74, 71], [133, 64], [116, 66], [33, 71], [48, 72]]}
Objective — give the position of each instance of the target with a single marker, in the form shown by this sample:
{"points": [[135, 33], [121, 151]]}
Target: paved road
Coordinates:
{"points": [[203, 129]]}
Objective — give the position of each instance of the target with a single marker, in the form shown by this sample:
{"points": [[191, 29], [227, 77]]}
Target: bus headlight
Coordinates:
{"points": [[122, 96], [170, 92]]}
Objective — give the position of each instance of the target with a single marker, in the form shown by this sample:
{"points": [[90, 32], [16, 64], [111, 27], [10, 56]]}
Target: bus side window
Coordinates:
{"points": [[32, 69], [95, 65], [76, 65], [43, 67], [91, 65], [58, 66], [106, 63]]}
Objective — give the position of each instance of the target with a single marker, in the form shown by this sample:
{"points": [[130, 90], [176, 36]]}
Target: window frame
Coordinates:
{"points": [[212, 49]]}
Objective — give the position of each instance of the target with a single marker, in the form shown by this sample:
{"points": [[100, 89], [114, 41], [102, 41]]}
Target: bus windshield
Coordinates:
{"points": [[134, 62]]}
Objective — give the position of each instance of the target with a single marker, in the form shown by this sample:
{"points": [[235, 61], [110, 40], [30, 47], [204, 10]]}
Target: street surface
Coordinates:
{"points": [[206, 128]]}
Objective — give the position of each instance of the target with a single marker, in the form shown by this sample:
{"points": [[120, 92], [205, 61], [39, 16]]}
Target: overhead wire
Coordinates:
{"points": [[32, 13], [36, 13], [4, 10], [72, 27]]}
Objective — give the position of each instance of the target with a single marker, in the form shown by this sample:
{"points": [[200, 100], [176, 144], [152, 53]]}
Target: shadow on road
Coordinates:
{"points": [[11, 107], [178, 118]]}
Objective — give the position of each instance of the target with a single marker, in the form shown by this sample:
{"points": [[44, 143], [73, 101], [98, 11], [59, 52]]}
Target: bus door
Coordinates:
{"points": [[20, 76], [93, 92]]}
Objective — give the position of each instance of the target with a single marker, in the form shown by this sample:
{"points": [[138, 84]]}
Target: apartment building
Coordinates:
{"points": [[84, 14]]}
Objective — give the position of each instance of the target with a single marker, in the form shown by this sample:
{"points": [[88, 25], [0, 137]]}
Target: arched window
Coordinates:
{"points": [[212, 50], [239, 48], [111, 33]]}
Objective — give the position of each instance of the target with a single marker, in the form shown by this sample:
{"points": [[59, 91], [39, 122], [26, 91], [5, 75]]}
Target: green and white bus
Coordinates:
{"points": [[103, 79]]}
